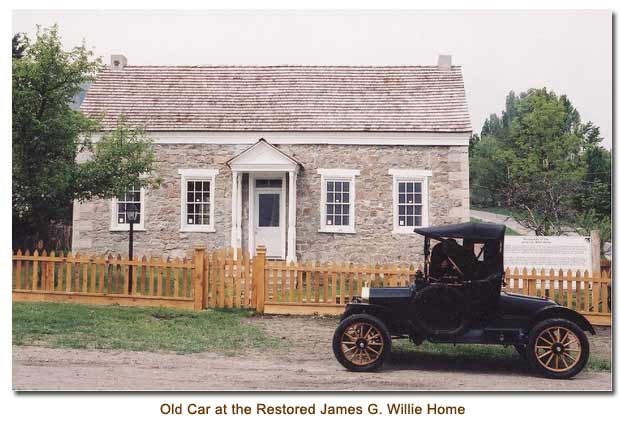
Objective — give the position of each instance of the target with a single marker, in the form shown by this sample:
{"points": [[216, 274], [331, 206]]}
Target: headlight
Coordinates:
{"points": [[366, 293]]}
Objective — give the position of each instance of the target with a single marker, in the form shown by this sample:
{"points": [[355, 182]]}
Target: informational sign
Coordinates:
{"points": [[548, 252]]}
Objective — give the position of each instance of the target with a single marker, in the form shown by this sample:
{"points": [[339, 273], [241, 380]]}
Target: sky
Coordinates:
{"points": [[569, 52]]}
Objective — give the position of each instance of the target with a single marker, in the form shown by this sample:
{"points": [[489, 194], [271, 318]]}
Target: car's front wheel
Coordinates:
{"points": [[558, 348], [361, 343]]}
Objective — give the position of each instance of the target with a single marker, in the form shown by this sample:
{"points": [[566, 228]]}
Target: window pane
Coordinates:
{"points": [[409, 220], [401, 187], [345, 220], [190, 186], [409, 187], [402, 198], [418, 198], [401, 210], [345, 198], [330, 209], [418, 187], [409, 210], [345, 209], [418, 210], [345, 187], [330, 197], [418, 221], [330, 186], [338, 220], [269, 210]]}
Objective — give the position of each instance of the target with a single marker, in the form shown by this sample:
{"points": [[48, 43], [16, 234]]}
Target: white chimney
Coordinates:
{"points": [[118, 62], [444, 62]]}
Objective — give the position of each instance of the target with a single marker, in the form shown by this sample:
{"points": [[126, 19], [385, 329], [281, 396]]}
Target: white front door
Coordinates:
{"points": [[269, 221]]}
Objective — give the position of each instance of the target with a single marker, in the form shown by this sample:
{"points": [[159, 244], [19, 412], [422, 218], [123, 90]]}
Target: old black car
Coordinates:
{"points": [[459, 299]]}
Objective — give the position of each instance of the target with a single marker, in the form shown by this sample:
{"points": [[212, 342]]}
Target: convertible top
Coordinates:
{"points": [[472, 231]]}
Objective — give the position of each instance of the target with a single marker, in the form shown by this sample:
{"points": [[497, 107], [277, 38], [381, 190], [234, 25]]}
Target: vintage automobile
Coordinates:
{"points": [[459, 300]]}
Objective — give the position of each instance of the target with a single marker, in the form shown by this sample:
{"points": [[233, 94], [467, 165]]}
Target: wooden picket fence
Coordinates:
{"points": [[103, 279], [230, 278], [309, 287]]}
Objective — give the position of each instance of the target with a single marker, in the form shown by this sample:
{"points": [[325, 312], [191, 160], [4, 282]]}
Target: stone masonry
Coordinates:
{"points": [[373, 241]]}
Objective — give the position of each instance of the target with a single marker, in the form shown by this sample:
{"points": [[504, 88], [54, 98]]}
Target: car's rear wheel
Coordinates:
{"points": [[361, 343], [558, 348]]}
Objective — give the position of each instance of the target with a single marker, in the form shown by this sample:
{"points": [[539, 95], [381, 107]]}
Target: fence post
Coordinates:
{"points": [[199, 262], [258, 273], [595, 240]]}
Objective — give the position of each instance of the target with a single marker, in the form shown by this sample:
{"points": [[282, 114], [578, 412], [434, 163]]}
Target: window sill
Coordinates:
{"points": [[337, 231], [197, 230], [407, 231], [123, 229]]}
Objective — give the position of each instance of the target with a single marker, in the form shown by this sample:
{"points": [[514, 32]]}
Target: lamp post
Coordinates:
{"points": [[132, 216]]}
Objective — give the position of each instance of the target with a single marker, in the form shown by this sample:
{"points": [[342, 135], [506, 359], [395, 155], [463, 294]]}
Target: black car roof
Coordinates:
{"points": [[473, 231]]}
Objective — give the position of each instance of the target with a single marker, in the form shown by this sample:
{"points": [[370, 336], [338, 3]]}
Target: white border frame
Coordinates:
{"points": [[116, 227], [198, 174], [345, 175], [410, 175]]}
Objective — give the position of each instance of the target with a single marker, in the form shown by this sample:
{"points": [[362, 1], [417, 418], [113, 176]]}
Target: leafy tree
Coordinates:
{"points": [[536, 158], [19, 45], [48, 136]]}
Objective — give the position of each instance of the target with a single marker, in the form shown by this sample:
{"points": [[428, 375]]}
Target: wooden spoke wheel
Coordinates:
{"points": [[361, 342], [558, 348]]}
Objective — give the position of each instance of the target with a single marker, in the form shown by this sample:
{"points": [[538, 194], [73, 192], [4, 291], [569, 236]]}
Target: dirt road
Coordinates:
{"points": [[307, 363]]}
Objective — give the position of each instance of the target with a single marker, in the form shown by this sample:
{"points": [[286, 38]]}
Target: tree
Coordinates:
{"points": [[48, 136], [534, 159], [19, 45]]}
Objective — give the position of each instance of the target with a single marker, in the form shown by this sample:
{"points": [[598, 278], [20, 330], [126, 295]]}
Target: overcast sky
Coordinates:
{"points": [[569, 52]]}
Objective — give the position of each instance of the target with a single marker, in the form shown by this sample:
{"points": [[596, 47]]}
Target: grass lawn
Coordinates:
{"points": [[469, 354], [509, 231], [141, 329]]}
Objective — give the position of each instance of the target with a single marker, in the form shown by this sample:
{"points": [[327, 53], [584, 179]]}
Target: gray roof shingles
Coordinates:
{"points": [[282, 98]]}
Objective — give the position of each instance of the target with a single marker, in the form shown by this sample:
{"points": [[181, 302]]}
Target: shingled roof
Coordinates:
{"points": [[282, 98]]}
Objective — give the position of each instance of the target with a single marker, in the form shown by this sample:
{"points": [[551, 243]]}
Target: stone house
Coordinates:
{"points": [[335, 163]]}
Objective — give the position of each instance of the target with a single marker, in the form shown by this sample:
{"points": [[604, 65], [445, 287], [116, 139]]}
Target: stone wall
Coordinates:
{"points": [[372, 242]]}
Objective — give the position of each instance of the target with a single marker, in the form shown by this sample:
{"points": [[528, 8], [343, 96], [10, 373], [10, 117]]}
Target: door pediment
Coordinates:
{"points": [[262, 156]]}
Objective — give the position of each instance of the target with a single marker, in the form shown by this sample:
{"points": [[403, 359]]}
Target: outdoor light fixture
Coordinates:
{"points": [[131, 211]]}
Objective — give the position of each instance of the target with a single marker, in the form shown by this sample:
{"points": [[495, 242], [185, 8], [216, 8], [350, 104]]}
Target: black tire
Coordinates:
{"points": [[554, 353], [367, 354]]}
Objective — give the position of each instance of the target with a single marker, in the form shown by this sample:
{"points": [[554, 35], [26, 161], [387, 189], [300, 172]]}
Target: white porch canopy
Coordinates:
{"points": [[262, 157]]}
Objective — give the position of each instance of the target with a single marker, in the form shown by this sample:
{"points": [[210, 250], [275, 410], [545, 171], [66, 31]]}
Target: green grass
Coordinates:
{"points": [[471, 355], [139, 329], [509, 231]]}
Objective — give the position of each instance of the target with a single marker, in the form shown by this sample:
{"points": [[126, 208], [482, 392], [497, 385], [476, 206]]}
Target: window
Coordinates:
{"points": [[119, 208], [197, 200], [410, 199], [338, 200]]}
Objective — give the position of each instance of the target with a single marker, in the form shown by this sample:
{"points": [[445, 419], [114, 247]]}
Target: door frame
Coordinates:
{"points": [[252, 197]]}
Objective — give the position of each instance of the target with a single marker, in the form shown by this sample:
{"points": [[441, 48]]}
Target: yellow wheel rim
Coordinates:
{"points": [[362, 343], [558, 349]]}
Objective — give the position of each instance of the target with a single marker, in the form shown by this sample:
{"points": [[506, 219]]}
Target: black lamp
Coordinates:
{"points": [[131, 210]]}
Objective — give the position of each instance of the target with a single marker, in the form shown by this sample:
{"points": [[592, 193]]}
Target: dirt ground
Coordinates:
{"points": [[307, 363]]}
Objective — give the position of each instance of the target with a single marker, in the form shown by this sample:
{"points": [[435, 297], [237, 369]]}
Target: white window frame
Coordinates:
{"points": [[338, 175], [115, 226], [201, 175], [410, 175]]}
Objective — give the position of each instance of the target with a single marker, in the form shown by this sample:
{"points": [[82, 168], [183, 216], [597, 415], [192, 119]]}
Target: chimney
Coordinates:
{"points": [[118, 62], [444, 62]]}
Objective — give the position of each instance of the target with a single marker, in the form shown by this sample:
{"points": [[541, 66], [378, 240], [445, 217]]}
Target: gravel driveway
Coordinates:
{"points": [[307, 363]]}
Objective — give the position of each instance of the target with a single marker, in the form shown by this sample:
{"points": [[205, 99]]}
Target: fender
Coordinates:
{"points": [[556, 311], [385, 314]]}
